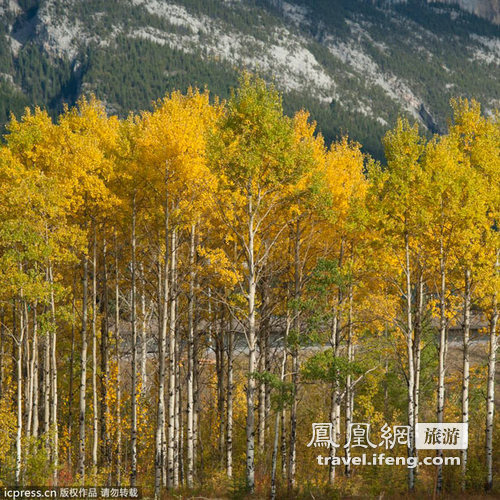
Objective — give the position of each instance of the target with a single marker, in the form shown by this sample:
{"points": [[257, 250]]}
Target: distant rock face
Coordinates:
{"points": [[489, 9]]}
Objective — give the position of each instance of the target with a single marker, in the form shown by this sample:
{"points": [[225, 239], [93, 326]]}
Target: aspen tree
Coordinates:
{"points": [[253, 156], [395, 197]]}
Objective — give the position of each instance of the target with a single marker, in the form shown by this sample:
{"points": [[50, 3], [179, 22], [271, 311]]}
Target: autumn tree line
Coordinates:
{"points": [[184, 291]]}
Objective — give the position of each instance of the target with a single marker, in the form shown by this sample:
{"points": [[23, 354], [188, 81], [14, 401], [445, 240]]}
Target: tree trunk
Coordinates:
{"points": [[417, 351], [295, 362], [163, 298], [190, 367], [252, 285], [465, 376], [230, 393], [144, 340], [32, 379], [333, 401], [219, 368], [19, 367], [442, 358], [178, 419], [411, 364], [46, 392], [105, 451], [349, 388], [71, 377], [490, 398], [35, 373], [83, 375], [133, 416], [54, 394], [171, 364], [95, 435], [118, 370]]}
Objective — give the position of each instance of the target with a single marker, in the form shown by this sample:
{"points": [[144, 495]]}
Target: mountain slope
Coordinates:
{"points": [[355, 64]]}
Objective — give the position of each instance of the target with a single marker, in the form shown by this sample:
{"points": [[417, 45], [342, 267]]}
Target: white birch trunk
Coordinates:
{"points": [[190, 367], [53, 393], [490, 397], [118, 368], [19, 375], [252, 284], [171, 365], [465, 376], [95, 421], [230, 392], [442, 358], [83, 374], [133, 415], [411, 364]]}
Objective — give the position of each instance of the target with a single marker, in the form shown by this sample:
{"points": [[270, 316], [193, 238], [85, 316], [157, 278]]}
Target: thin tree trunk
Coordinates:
{"points": [[71, 376], [230, 401], [105, 451], [348, 407], [219, 364], [417, 347], [333, 401], [144, 340], [196, 398], [417, 351], [33, 360], [54, 393], [35, 373], [442, 358], [133, 416], [178, 419], [163, 298], [252, 285], [283, 445], [27, 385], [295, 363], [95, 436], [160, 423], [171, 364], [465, 377], [490, 397], [46, 392], [411, 364], [19, 367], [83, 375], [118, 370], [261, 429], [190, 367]]}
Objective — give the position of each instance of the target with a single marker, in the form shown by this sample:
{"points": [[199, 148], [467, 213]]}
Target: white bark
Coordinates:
{"points": [[190, 368], [144, 340], [466, 376], [133, 396], [171, 364], [411, 365], [19, 376], [490, 398], [95, 436], [442, 358], [295, 364], [251, 338], [53, 391], [83, 375], [118, 369], [230, 392]]}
